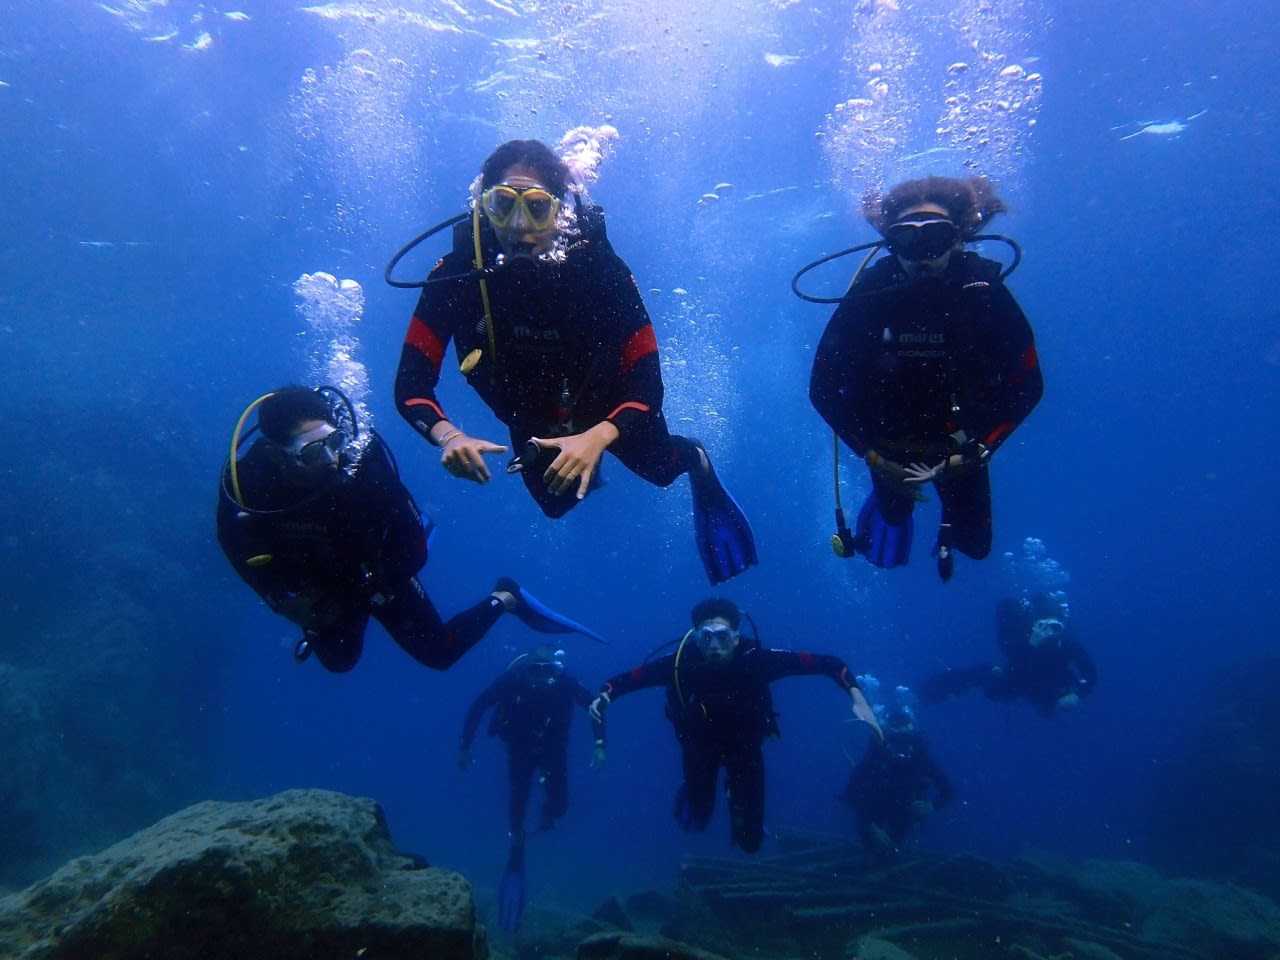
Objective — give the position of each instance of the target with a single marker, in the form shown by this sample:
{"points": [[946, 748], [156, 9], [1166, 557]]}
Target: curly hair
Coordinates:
{"points": [[535, 155], [714, 607], [971, 204]]}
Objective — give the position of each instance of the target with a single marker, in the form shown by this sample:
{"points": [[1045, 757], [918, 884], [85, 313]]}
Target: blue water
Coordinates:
{"points": [[162, 193]]}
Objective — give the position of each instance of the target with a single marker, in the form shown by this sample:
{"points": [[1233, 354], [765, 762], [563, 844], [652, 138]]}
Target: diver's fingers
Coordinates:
{"points": [[584, 482], [455, 464], [917, 473], [466, 462], [462, 467], [551, 476], [486, 446]]}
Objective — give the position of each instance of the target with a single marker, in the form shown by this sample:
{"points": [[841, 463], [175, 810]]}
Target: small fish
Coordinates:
{"points": [[1164, 128], [236, 15]]}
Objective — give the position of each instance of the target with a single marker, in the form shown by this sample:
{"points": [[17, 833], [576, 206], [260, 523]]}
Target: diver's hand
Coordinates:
{"points": [[599, 757], [465, 759], [597, 708], [919, 473], [578, 459], [463, 456], [862, 710], [900, 475]]}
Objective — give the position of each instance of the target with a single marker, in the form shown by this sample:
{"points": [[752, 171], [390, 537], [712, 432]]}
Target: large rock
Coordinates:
{"points": [[1216, 919], [304, 874]]}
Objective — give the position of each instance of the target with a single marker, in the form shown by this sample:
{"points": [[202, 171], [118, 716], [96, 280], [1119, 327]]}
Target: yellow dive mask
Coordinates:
{"points": [[502, 202]]}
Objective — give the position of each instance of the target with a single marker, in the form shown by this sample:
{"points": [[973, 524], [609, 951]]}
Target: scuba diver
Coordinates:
{"points": [[896, 785], [1044, 662], [925, 369], [532, 702], [549, 329], [314, 518], [721, 708]]}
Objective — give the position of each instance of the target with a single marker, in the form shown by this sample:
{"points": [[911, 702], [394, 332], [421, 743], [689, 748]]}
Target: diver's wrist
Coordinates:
{"points": [[446, 435]]}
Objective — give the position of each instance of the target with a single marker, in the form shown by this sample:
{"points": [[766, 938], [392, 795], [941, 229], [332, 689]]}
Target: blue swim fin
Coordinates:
{"points": [[885, 544], [725, 541], [536, 615], [511, 890]]}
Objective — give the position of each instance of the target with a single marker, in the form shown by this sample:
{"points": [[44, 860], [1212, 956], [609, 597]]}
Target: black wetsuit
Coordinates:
{"points": [[1042, 674], [891, 777], [905, 364], [531, 716], [572, 346], [721, 712], [358, 543]]}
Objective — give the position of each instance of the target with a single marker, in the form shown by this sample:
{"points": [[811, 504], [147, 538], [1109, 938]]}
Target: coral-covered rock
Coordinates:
{"points": [[303, 874]]}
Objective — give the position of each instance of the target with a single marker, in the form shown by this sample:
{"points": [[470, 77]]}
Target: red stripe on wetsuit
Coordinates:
{"points": [[423, 339], [642, 343]]}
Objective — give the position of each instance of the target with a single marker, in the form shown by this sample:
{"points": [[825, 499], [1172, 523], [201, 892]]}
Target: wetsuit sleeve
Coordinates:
{"points": [[631, 348], [489, 697], [1014, 383], [440, 308], [656, 673], [842, 369], [776, 664]]}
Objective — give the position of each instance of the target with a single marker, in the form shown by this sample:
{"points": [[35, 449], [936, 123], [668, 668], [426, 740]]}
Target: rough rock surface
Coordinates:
{"points": [[628, 946], [305, 873]]}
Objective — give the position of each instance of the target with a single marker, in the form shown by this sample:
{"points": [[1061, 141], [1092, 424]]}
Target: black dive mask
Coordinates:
{"points": [[921, 239]]}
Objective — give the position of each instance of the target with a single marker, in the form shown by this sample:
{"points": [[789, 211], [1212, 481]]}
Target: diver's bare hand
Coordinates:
{"points": [[463, 456], [578, 459], [919, 473], [901, 476]]}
